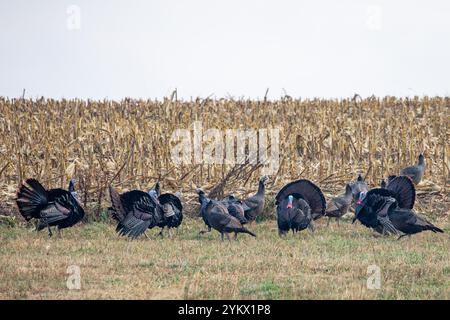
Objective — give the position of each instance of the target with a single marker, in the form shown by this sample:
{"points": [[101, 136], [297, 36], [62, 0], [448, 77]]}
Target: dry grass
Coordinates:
{"points": [[332, 263]]}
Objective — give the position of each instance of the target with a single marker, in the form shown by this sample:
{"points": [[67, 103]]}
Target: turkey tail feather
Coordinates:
{"points": [[245, 230], [117, 212], [436, 229], [306, 190], [31, 199], [404, 191]]}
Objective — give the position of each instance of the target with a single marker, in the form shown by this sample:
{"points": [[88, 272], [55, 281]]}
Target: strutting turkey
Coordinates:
{"points": [[389, 210], [297, 204], [53, 207], [136, 211], [172, 211], [166, 209]]}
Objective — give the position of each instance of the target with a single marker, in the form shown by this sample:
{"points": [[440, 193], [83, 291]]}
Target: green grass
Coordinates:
{"points": [[329, 264]]}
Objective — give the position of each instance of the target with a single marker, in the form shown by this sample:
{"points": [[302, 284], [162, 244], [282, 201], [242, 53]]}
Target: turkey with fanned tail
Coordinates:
{"points": [[172, 210], [297, 204], [136, 211], [390, 210], [53, 207]]}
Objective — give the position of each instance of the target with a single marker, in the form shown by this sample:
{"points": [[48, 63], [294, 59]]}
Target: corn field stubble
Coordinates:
{"points": [[327, 141]]}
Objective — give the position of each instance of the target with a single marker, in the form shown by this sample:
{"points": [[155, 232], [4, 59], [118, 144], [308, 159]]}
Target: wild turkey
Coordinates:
{"points": [[136, 212], [358, 186], [53, 207], [339, 206], [297, 204], [235, 208], [172, 210], [407, 221], [203, 200], [254, 206], [415, 172], [373, 208], [219, 219]]}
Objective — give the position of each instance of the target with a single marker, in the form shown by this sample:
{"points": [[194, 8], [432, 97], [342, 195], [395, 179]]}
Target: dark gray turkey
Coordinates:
{"points": [[203, 200], [254, 206], [218, 218], [136, 211], [235, 208], [407, 221], [415, 172], [297, 204], [390, 210], [339, 206], [53, 207]]}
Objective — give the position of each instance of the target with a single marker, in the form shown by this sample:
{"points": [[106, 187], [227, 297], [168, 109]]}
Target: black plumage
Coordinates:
{"points": [[399, 188], [53, 207], [408, 222], [390, 210], [136, 211], [372, 212], [297, 204], [172, 210]]}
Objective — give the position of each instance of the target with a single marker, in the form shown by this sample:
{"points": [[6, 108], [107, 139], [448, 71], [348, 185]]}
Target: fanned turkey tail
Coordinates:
{"points": [[31, 199], [117, 211], [404, 191]]}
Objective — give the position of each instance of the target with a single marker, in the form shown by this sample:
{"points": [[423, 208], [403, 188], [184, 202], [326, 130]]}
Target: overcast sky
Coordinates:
{"points": [[146, 49]]}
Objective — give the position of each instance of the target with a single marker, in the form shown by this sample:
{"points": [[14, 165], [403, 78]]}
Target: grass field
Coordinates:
{"points": [[332, 263]]}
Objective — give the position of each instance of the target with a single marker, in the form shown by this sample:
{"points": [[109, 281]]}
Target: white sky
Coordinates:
{"points": [[146, 49]]}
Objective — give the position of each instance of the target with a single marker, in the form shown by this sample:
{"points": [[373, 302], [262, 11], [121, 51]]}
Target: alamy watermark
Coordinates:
{"points": [[374, 18], [374, 277], [73, 281], [73, 21], [196, 145]]}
